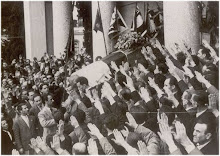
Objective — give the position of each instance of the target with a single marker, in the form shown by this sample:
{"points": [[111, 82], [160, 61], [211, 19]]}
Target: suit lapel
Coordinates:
{"points": [[48, 112], [23, 122]]}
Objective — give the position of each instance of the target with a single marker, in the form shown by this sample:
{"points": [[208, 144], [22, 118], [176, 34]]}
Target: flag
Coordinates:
{"points": [[98, 22], [117, 24], [151, 27], [137, 23]]}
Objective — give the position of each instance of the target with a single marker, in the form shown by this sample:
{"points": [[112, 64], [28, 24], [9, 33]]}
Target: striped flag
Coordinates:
{"points": [[117, 24], [137, 23]]}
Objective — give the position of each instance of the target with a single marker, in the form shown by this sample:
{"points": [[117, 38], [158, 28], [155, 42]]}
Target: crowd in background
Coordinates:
{"points": [[166, 104]]}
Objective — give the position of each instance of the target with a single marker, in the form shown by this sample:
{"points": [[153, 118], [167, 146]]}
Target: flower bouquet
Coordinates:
{"points": [[130, 40]]}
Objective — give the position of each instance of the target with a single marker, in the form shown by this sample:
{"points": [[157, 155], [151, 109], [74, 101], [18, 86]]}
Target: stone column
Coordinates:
{"points": [[181, 21], [35, 29], [106, 10], [61, 25]]}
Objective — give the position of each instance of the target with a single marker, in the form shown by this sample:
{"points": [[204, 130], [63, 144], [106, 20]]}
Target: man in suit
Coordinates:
{"points": [[46, 118], [6, 138], [204, 135], [24, 130], [38, 106]]}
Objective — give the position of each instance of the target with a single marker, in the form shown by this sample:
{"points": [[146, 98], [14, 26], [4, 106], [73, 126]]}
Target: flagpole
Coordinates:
{"points": [[144, 13], [135, 16], [102, 28]]}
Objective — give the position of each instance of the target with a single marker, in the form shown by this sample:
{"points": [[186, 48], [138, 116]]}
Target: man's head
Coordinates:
{"points": [[79, 115], [187, 94], [48, 100], [204, 129], [170, 83], [4, 124], [24, 95], [111, 122], [37, 100], [23, 109], [199, 99], [82, 83], [204, 54], [79, 149], [139, 114], [44, 89]]}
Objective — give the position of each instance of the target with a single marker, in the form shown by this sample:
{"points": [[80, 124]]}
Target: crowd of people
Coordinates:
{"points": [[167, 103]]}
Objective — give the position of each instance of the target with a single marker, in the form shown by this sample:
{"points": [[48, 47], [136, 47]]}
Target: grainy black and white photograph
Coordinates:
{"points": [[109, 77]]}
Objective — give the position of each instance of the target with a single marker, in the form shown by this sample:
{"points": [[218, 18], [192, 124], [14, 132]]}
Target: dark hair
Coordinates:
{"points": [[159, 80], [143, 62], [163, 68], [213, 78], [41, 85], [126, 94], [111, 121], [195, 59], [79, 115], [36, 94], [207, 53], [45, 97], [210, 120], [201, 97], [139, 114], [82, 80], [58, 115], [181, 58], [133, 138], [121, 78], [19, 107]]}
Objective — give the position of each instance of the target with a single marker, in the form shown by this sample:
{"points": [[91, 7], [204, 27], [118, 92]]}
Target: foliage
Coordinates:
{"points": [[130, 40], [13, 42]]}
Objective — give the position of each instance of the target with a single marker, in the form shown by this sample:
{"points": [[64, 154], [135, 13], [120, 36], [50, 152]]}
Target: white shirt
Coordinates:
{"points": [[26, 120], [200, 113], [203, 145]]}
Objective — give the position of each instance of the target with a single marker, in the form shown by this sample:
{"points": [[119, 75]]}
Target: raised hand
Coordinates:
{"points": [[40, 143], [131, 121], [200, 77], [119, 140], [165, 132], [205, 44], [180, 136], [143, 50], [122, 70], [142, 148], [188, 72], [142, 68], [55, 144], [162, 118], [15, 152], [114, 66], [92, 147], [33, 144], [94, 131], [73, 121], [129, 83], [144, 94], [60, 128], [213, 101], [170, 64]]}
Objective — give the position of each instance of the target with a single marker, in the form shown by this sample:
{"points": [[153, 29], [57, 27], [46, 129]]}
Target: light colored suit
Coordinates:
{"points": [[47, 121]]}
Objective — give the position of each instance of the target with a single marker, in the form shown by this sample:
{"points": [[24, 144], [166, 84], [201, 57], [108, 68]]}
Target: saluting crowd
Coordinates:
{"points": [[167, 103]]}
